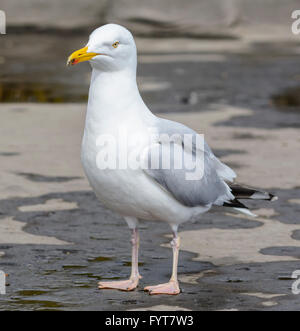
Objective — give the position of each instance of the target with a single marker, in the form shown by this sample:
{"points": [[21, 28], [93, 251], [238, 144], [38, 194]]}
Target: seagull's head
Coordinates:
{"points": [[110, 48]]}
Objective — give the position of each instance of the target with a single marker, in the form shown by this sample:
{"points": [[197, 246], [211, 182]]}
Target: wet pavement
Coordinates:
{"points": [[57, 241]]}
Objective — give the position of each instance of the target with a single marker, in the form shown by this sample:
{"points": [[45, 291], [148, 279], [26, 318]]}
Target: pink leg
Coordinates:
{"points": [[131, 283], [172, 287]]}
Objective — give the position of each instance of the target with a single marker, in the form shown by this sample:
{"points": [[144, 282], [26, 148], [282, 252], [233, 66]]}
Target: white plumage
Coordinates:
{"points": [[115, 106]]}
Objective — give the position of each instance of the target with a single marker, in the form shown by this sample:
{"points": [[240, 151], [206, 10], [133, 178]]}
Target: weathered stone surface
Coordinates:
{"points": [[227, 262], [11, 232], [171, 17], [198, 18], [219, 18], [68, 14], [266, 12]]}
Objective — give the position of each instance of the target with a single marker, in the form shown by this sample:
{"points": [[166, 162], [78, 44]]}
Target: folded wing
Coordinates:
{"points": [[201, 179]]}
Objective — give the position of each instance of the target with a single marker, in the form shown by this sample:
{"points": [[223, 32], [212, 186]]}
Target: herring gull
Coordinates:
{"points": [[119, 126]]}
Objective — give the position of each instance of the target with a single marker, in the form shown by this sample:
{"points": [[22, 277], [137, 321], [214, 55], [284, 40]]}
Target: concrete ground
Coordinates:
{"points": [[56, 239]]}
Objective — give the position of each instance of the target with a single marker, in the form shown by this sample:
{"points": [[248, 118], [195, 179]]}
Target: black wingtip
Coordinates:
{"points": [[234, 204], [244, 192]]}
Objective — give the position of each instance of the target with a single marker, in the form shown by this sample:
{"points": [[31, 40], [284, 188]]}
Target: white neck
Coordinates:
{"points": [[114, 96]]}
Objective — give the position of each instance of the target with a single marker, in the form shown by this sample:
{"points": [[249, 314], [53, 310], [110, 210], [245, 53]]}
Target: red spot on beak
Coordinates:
{"points": [[74, 61]]}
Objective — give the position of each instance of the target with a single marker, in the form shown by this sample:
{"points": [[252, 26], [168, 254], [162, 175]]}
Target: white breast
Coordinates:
{"points": [[128, 191], [115, 106]]}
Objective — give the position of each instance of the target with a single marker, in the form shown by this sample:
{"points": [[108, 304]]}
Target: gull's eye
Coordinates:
{"points": [[116, 44]]}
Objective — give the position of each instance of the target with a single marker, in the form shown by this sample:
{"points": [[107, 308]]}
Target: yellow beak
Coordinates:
{"points": [[80, 56]]}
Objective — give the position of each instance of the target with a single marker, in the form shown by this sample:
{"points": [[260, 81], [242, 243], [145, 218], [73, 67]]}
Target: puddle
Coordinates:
{"points": [[100, 259], [99, 238], [87, 274], [288, 99], [30, 293], [71, 266], [41, 92], [49, 272], [40, 303], [128, 264], [93, 276], [84, 285]]}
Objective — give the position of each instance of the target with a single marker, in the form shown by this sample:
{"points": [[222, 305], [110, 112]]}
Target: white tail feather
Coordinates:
{"points": [[245, 211]]}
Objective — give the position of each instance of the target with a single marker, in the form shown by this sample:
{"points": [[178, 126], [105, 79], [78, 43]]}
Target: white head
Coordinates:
{"points": [[110, 48]]}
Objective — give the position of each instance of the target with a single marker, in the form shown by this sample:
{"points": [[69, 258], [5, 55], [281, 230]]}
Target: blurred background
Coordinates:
{"points": [[41, 34], [227, 68]]}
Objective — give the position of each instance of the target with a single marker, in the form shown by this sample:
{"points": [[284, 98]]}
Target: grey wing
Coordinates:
{"points": [[209, 188], [171, 128]]}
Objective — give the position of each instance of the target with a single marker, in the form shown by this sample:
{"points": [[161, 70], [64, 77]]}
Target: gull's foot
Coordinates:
{"points": [[122, 285], [171, 288]]}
